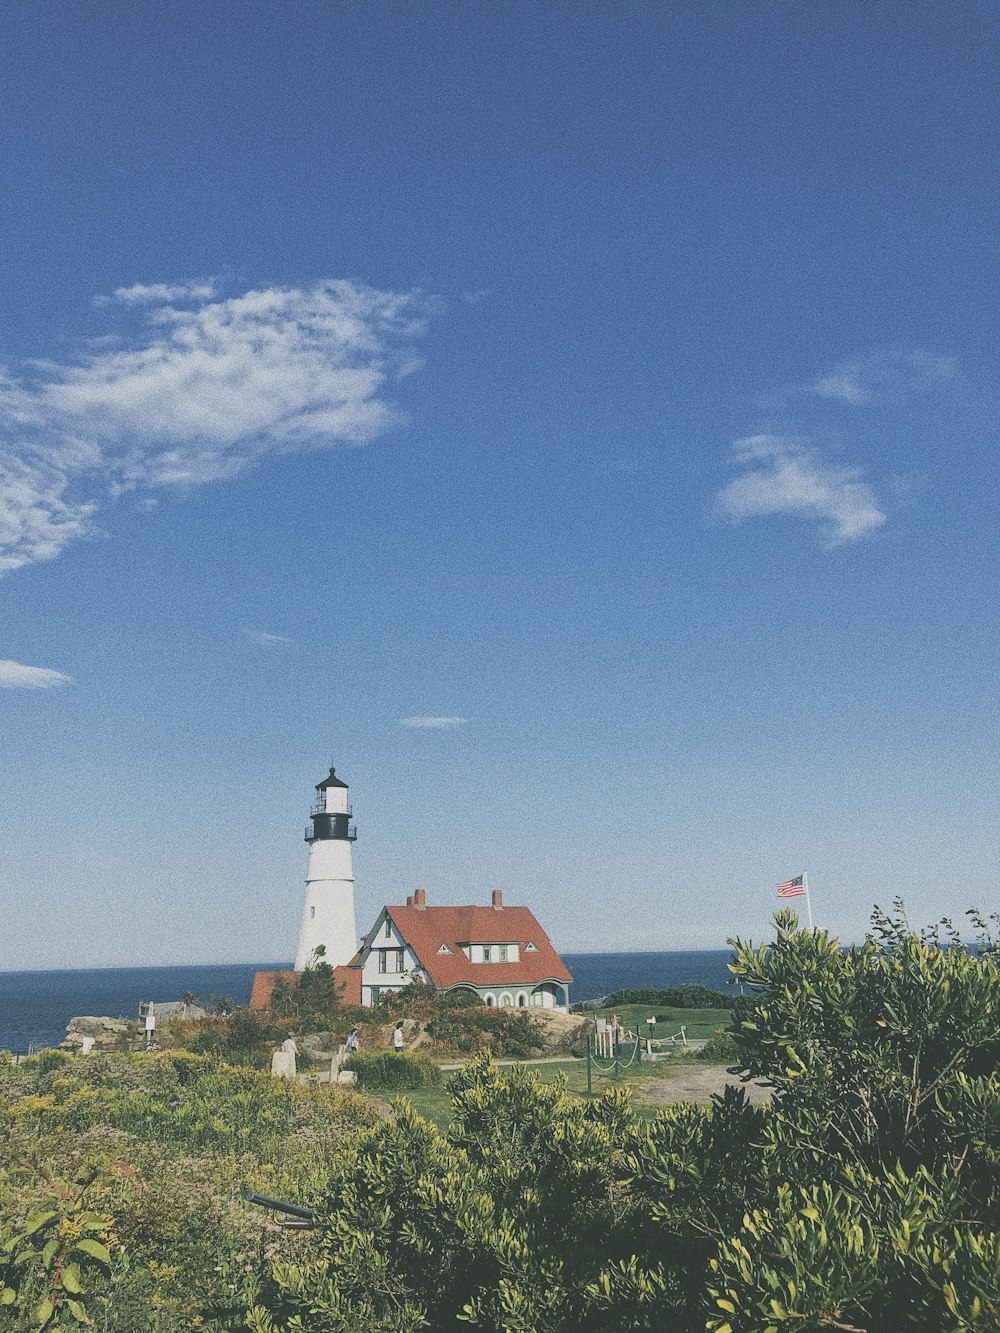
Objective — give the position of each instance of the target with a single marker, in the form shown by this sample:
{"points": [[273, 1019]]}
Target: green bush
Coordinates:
{"points": [[674, 997], [121, 1180], [53, 1057], [722, 1049], [244, 1036], [864, 1196], [312, 996], [478, 1027], [385, 1071]]}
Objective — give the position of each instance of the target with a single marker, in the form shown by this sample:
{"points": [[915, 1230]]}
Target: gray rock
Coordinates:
{"points": [[318, 1045], [109, 1034]]}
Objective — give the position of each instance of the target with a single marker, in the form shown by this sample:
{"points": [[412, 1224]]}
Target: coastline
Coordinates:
{"points": [[36, 1005]]}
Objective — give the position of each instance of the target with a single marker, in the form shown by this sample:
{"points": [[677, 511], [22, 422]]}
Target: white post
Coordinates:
{"points": [[809, 906]]}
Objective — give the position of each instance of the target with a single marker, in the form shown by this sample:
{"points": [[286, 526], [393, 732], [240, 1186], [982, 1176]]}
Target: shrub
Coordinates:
{"points": [[722, 1048], [242, 1036], [385, 1071], [48, 1060], [864, 1196], [313, 995], [478, 1027], [674, 997]]}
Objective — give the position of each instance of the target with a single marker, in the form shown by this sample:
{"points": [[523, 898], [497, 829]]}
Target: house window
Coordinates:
{"points": [[397, 957], [487, 954], [312, 913], [503, 953], [383, 962], [388, 928]]}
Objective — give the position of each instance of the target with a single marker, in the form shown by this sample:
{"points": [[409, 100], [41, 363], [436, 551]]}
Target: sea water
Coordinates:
{"points": [[35, 1007]]}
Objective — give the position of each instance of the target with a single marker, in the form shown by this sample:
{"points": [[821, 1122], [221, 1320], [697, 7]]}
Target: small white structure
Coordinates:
{"points": [[328, 913]]}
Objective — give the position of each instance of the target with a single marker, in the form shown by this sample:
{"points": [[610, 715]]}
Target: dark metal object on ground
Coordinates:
{"points": [[304, 1218]]}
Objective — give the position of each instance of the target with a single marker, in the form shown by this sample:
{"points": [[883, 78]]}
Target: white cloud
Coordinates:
{"points": [[36, 518], [884, 376], [17, 676], [196, 396], [432, 723], [785, 475], [157, 293], [266, 640]]}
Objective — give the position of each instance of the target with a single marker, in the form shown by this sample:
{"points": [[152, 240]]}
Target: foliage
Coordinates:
{"points": [[314, 995], [863, 1197], [673, 997], [44, 1264], [389, 1071], [243, 1035], [721, 1049], [504, 1031], [135, 1166]]}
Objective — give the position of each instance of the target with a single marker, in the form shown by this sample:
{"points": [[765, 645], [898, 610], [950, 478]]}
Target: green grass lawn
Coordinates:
{"points": [[700, 1023]]}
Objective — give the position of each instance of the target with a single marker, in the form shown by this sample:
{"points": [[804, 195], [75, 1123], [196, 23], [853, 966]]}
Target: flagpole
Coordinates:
{"points": [[809, 906]]}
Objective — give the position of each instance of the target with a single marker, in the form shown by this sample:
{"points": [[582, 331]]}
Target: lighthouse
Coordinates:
{"points": [[328, 914]]}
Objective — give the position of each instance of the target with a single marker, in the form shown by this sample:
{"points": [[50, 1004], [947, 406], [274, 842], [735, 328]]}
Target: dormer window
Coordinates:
{"points": [[444, 949], [530, 948], [487, 953]]}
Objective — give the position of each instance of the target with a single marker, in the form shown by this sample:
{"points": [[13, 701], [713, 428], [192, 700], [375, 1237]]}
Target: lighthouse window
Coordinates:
{"points": [[312, 913]]}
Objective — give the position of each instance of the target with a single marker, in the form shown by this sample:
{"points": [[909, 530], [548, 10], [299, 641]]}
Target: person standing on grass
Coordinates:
{"points": [[397, 1038]]}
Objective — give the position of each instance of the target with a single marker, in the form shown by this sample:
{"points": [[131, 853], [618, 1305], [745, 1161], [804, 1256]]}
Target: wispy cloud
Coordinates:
{"points": [[197, 395], [158, 293], [432, 723], [885, 376], [266, 640], [787, 475], [17, 676]]}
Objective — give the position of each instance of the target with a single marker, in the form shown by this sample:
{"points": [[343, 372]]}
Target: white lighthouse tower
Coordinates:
{"points": [[328, 915]]}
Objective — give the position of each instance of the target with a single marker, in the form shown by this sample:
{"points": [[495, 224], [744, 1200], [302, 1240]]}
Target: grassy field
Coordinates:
{"points": [[700, 1023]]}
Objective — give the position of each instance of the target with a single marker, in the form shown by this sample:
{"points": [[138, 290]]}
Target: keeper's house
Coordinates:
{"points": [[500, 954]]}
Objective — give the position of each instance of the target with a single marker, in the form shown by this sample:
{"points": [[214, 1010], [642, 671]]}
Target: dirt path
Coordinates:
{"points": [[693, 1083]]}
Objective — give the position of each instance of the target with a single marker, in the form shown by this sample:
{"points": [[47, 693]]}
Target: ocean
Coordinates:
{"points": [[36, 1006]]}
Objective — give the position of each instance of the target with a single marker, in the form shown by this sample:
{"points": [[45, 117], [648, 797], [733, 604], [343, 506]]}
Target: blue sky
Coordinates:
{"points": [[609, 388]]}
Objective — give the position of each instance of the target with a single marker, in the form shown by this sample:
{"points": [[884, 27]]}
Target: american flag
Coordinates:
{"points": [[792, 888]]}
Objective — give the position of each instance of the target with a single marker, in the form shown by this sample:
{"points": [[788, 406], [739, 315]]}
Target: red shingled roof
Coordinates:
{"points": [[263, 986], [425, 929]]}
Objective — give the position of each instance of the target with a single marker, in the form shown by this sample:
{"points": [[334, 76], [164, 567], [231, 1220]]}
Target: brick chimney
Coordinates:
{"points": [[409, 900], [420, 900], [497, 900]]}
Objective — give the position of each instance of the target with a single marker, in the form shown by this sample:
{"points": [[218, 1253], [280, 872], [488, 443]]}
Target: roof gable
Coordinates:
{"points": [[426, 929]]}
